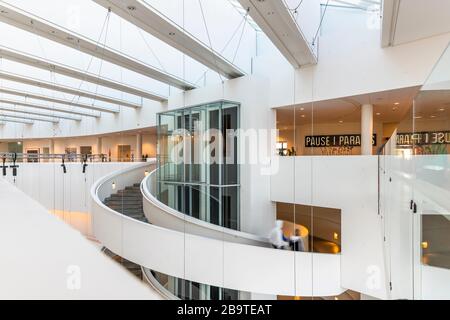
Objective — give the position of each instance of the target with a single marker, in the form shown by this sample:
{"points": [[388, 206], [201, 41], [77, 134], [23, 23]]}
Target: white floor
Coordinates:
{"points": [[43, 258]]}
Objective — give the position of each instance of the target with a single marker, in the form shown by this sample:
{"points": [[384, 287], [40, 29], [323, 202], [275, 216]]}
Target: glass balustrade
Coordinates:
{"points": [[414, 193]]}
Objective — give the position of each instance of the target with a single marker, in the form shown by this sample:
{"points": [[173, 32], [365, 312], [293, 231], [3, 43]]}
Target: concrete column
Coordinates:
{"points": [[366, 129], [99, 145], [138, 153], [52, 147]]}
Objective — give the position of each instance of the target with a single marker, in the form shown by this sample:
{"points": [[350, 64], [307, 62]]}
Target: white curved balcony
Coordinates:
{"points": [[227, 262]]}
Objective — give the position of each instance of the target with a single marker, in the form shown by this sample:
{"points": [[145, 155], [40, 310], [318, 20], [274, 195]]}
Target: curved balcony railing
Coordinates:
{"points": [[225, 262], [163, 215]]}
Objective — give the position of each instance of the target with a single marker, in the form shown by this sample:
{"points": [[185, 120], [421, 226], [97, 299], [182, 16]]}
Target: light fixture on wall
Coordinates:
{"points": [[335, 236], [146, 173], [19, 143], [113, 186], [424, 245]]}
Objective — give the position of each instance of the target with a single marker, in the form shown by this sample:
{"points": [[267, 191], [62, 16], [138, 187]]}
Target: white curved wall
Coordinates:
{"points": [[214, 262], [161, 215]]}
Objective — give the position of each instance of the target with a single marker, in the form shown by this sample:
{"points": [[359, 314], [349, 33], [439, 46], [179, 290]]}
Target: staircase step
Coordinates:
{"points": [[123, 204], [126, 196], [134, 213], [129, 211], [130, 190]]}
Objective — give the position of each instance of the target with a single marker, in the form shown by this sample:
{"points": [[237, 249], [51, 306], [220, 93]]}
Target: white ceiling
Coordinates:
{"points": [[389, 106]]}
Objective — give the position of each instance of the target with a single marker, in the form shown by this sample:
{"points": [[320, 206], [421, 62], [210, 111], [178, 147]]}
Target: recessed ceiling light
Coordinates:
{"points": [[441, 109], [432, 116], [131, 8], [302, 109], [303, 115], [378, 113], [394, 109], [397, 103], [341, 121], [418, 117]]}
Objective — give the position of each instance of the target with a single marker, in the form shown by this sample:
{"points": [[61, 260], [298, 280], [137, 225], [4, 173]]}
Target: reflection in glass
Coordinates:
{"points": [[198, 170]]}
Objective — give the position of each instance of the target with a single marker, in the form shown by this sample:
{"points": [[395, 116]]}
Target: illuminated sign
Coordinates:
{"points": [[340, 140], [423, 138]]}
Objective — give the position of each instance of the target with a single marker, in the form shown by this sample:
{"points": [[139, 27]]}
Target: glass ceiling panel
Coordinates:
{"points": [[88, 19], [360, 4]]}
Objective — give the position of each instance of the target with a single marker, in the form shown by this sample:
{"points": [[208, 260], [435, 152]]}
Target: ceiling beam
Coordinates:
{"points": [[389, 13], [4, 120], [155, 23], [27, 117], [60, 101], [31, 23], [56, 87], [39, 113], [50, 108], [37, 62], [278, 24]]}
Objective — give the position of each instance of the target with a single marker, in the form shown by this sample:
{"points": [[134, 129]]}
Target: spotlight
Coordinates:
{"points": [[113, 186]]}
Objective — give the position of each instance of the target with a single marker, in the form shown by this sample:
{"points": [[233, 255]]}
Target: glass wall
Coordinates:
{"points": [[198, 171], [415, 193]]}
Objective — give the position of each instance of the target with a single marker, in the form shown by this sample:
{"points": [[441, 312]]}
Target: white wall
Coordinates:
{"points": [[66, 195], [349, 184], [109, 143], [351, 62]]}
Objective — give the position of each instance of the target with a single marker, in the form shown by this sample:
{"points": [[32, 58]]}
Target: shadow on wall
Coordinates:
{"points": [[323, 224]]}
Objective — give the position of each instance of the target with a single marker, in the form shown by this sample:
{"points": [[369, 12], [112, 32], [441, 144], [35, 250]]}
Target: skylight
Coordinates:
{"points": [[243, 12], [371, 5]]}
